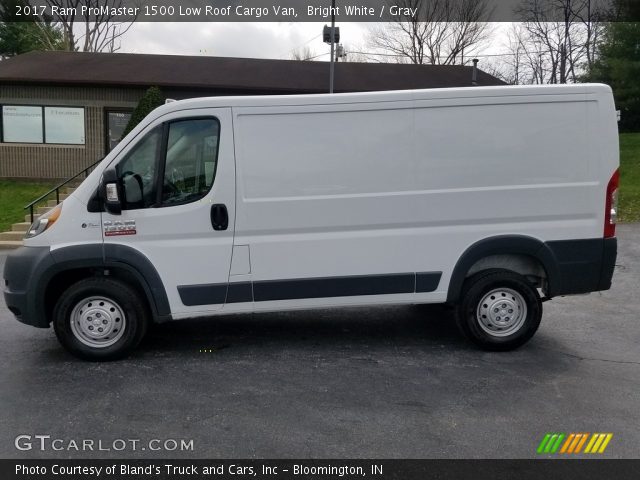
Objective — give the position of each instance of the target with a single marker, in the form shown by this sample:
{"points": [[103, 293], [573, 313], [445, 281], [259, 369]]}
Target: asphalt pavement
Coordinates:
{"points": [[384, 382]]}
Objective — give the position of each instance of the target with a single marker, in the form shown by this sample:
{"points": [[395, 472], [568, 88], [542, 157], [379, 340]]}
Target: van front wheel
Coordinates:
{"points": [[100, 319], [499, 309]]}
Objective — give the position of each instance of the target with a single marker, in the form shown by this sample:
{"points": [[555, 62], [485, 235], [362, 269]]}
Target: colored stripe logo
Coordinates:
{"points": [[573, 443]]}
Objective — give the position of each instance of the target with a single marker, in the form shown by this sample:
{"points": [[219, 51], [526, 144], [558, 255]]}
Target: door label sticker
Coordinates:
{"points": [[111, 229]]}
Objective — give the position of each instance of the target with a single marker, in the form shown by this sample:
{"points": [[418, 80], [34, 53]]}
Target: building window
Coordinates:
{"points": [[22, 124], [117, 121], [64, 125], [37, 124]]}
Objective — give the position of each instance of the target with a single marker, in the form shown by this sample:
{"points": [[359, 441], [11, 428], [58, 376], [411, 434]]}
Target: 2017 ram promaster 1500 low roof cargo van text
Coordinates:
{"points": [[489, 198]]}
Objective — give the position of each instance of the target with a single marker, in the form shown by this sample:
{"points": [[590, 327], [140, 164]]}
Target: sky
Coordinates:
{"points": [[255, 40], [251, 40]]}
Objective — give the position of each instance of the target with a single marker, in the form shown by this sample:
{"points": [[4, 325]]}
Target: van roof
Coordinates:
{"points": [[384, 96]]}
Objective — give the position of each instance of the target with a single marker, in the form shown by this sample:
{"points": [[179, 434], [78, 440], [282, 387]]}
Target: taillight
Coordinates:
{"points": [[611, 206]]}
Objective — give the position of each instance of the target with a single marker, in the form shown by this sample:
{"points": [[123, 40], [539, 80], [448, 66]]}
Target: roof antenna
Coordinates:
{"points": [[474, 73]]}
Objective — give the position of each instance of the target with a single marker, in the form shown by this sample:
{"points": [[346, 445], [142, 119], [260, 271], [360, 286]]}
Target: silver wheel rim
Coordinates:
{"points": [[502, 312], [98, 322]]}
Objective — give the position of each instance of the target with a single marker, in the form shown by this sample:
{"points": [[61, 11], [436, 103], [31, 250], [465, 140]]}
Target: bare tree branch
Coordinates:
{"points": [[442, 32], [100, 32], [564, 34], [303, 53]]}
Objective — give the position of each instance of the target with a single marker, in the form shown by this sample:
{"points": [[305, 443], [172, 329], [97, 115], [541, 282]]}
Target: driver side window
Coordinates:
{"points": [[188, 150], [192, 152]]}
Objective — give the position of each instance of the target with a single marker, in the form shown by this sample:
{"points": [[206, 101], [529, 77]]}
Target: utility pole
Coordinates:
{"points": [[333, 39], [331, 35]]}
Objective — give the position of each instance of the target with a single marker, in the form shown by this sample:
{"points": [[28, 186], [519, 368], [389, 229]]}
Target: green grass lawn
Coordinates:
{"points": [[14, 195], [629, 177]]}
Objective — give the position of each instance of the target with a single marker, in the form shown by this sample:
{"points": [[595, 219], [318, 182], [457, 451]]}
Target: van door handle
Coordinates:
{"points": [[219, 216]]}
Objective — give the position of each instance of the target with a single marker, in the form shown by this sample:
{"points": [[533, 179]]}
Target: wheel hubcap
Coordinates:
{"points": [[502, 312], [98, 322]]}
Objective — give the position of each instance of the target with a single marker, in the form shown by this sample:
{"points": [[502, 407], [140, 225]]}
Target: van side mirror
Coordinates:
{"points": [[110, 192]]}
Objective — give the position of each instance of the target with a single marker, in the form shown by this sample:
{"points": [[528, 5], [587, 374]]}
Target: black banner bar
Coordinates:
{"points": [[321, 10], [319, 469]]}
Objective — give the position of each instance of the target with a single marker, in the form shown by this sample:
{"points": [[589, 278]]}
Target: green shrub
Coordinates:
{"points": [[151, 100]]}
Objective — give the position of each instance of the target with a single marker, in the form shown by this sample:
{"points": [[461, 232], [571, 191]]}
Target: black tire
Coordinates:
{"points": [[127, 332], [492, 332]]}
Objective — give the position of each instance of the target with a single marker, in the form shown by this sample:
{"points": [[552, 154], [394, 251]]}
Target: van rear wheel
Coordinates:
{"points": [[100, 319], [499, 310]]}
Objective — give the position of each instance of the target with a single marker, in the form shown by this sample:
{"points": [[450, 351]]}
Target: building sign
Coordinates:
{"points": [[64, 125], [21, 124]]}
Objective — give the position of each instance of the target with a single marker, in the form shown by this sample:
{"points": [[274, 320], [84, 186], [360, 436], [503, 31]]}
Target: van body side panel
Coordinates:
{"points": [[328, 191], [513, 165], [322, 203]]}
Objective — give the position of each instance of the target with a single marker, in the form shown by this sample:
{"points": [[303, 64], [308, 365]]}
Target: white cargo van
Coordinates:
{"points": [[493, 199]]}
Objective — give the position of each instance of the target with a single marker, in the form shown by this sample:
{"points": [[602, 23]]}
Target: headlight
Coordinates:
{"points": [[44, 222]]}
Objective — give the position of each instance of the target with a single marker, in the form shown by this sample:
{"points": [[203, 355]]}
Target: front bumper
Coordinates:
{"points": [[25, 273]]}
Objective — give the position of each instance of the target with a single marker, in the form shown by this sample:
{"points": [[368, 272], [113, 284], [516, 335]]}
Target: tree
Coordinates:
{"points": [[524, 63], [557, 39], [303, 53], [354, 54], [516, 65], [619, 66], [99, 32], [151, 100], [18, 35], [443, 32]]}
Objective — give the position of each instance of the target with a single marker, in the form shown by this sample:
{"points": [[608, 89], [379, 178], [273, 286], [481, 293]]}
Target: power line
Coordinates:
{"points": [[378, 54], [318, 56], [301, 45], [374, 54], [399, 55]]}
